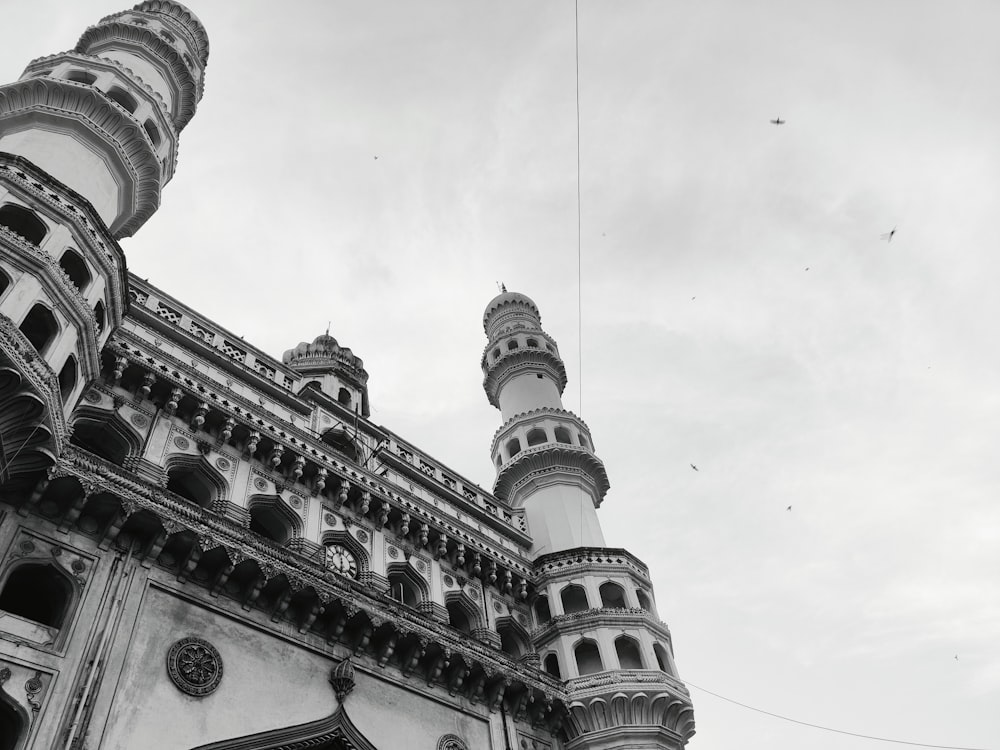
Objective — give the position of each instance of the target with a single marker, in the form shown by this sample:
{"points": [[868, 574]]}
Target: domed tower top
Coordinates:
{"points": [[334, 368], [510, 308]]}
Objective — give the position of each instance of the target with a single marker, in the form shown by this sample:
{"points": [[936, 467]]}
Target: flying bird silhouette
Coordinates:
{"points": [[694, 467], [789, 507], [777, 121], [888, 235]]}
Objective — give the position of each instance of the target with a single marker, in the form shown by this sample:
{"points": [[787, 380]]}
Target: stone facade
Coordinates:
{"points": [[202, 546]]}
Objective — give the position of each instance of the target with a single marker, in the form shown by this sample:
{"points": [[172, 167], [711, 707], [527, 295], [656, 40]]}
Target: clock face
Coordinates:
{"points": [[341, 560]]}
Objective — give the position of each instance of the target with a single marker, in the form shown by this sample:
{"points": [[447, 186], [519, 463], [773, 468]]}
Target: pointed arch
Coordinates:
{"points": [[463, 613], [106, 434], [13, 722], [406, 585], [271, 517], [335, 732], [194, 479], [514, 639]]}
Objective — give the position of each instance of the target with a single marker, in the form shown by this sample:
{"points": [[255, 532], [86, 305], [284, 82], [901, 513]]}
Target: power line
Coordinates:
{"points": [[831, 729], [579, 208]]}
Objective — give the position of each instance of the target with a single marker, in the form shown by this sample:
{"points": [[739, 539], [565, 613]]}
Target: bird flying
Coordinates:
{"points": [[888, 235], [777, 121], [694, 467], [789, 507]]}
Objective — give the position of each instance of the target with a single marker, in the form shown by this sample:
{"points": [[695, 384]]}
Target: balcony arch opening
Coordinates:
{"points": [[23, 222], [107, 436], [39, 327], [662, 659], [38, 591], [536, 436], [67, 377], [81, 76], [152, 131], [511, 346], [542, 612], [513, 447], [551, 665], [344, 397], [272, 520], [341, 442], [513, 640], [532, 344], [195, 483], [75, 268], [574, 599], [120, 96], [100, 316], [629, 656], [612, 596], [644, 601], [12, 724], [461, 616], [405, 587], [562, 436], [496, 354], [588, 658]]}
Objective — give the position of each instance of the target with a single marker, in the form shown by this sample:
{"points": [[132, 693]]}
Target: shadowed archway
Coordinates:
{"points": [[335, 732]]}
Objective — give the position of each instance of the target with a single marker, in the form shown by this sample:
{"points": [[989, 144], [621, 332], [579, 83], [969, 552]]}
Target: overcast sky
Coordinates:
{"points": [[740, 311]]}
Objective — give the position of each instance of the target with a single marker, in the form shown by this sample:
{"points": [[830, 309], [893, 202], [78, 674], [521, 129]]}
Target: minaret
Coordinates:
{"points": [[543, 453], [87, 140], [596, 625]]}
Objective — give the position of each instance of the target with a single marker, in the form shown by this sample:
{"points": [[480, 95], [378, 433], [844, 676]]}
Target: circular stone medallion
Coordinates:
{"points": [[182, 443], [194, 666]]}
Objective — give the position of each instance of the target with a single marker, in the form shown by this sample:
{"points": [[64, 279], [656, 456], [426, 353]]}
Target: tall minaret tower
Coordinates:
{"points": [[596, 624], [88, 138], [544, 454]]}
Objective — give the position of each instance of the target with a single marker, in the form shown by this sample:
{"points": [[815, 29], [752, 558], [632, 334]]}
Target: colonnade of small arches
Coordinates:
{"points": [[540, 435], [521, 342], [587, 658]]}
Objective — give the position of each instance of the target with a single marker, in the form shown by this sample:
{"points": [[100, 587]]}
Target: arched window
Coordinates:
{"points": [[562, 436], [122, 97], [513, 447], [512, 641], [583, 441], [532, 344], [81, 76], [75, 268], [341, 442], [192, 483], [109, 438], [574, 599], [99, 316], [24, 222], [152, 131], [4, 282], [536, 436], [496, 354], [662, 660], [542, 612], [344, 397], [459, 616], [11, 726], [39, 327], [511, 346], [612, 596], [588, 658], [644, 601], [552, 666], [67, 377], [39, 592], [404, 589], [628, 653], [268, 520]]}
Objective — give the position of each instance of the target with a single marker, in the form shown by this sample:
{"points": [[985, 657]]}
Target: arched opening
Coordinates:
{"points": [[574, 599], [513, 447], [4, 282], [24, 222], [37, 592], [542, 612], [562, 436], [644, 601], [583, 442], [629, 656], [108, 438], [122, 97], [81, 76], [152, 131], [459, 617], [39, 327], [99, 316], [267, 520], [341, 442], [552, 666], [511, 346], [512, 641], [67, 377], [344, 397], [404, 589], [662, 660], [11, 726], [536, 436], [532, 344], [612, 596], [75, 268], [191, 483], [496, 354], [588, 657]]}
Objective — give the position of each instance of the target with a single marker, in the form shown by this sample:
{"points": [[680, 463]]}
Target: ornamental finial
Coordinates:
{"points": [[342, 679]]}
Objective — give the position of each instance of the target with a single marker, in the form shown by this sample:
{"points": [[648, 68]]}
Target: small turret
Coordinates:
{"points": [[334, 368]]}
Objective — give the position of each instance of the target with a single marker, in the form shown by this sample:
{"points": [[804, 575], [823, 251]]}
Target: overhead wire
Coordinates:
{"points": [[579, 209], [832, 729]]}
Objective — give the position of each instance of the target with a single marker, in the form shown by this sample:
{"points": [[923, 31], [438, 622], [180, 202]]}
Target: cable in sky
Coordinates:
{"points": [[831, 729], [579, 207]]}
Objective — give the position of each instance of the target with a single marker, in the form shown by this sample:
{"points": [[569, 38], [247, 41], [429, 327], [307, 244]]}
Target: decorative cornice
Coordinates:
{"points": [[556, 565], [539, 460], [561, 415], [188, 19], [600, 617], [16, 349], [513, 363], [510, 298], [108, 120]]}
